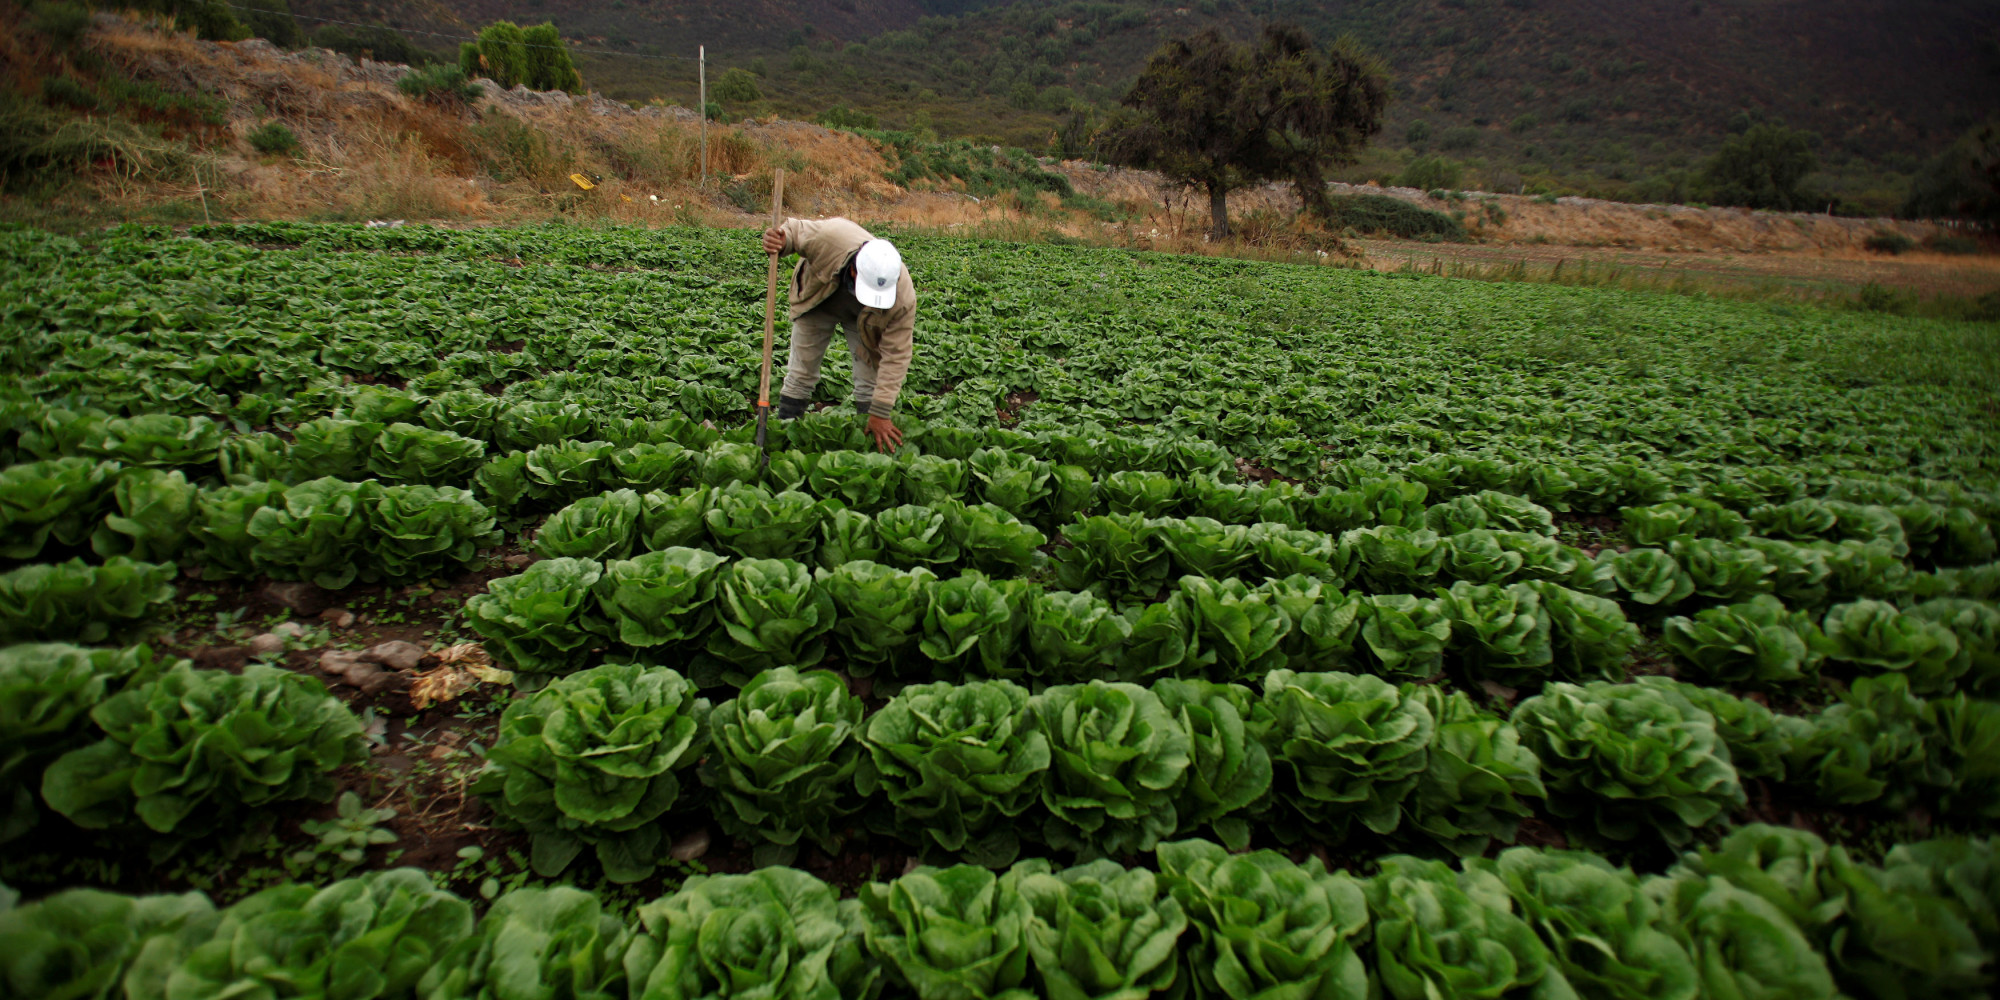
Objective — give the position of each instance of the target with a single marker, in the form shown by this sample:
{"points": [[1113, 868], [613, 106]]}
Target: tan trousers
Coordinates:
{"points": [[811, 335]]}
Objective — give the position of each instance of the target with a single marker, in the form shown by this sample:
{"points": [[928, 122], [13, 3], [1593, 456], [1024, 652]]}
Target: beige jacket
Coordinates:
{"points": [[886, 335]]}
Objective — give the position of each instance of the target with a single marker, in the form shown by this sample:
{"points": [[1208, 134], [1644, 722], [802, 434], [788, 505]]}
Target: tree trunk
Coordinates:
{"points": [[1218, 210]]}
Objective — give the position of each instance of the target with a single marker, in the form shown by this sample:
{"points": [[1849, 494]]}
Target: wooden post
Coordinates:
{"points": [[770, 314], [701, 71]]}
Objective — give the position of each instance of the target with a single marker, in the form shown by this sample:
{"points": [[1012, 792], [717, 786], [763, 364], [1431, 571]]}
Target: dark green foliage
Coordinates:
{"points": [[1218, 115], [442, 83], [1765, 167], [1961, 182], [371, 42], [1370, 213], [274, 138], [272, 21]]}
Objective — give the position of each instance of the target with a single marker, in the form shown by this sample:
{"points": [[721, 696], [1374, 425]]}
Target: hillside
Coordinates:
{"points": [[1588, 96]]}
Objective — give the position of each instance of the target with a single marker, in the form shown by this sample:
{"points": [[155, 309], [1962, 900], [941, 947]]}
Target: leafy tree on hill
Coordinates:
{"points": [[272, 21], [737, 86], [1764, 167], [1210, 113], [1963, 181], [511, 55]]}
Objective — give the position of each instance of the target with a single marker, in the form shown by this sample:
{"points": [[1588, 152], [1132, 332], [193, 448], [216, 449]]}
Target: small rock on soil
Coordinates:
{"points": [[267, 644], [301, 597]]}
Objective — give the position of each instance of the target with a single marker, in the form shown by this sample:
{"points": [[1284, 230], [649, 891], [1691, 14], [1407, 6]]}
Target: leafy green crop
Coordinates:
{"points": [[750, 522], [411, 454], [333, 448], [1754, 642], [1476, 776], [540, 621], [973, 621], [927, 479], [197, 751], [957, 764], [1628, 761], [1118, 759], [1872, 744], [879, 614], [1589, 635], [1229, 769], [46, 693], [1407, 635], [1344, 747], [1444, 934], [1500, 632], [776, 932], [1875, 636], [602, 528], [318, 533], [61, 498], [154, 510], [1604, 933], [556, 943], [593, 760], [1757, 739], [1235, 631], [770, 614], [1265, 926], [1098, 930], [85, 943], [419, 532], [72, 601], [646, 467], [783, 762], [953, 933], [862, 480], [373, 936]]}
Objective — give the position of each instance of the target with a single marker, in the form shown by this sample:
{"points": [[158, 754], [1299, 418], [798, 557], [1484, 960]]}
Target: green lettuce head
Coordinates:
{"points": [[1099, 930], [954, 933], [555, 943], [785, 753], [1229, 770], [197, 751], [1266, 927], [1439, 933], [372, 936], [1118, 761], [1629, 760], [596, 759], [776, 932], [1604, 933], [957, 764], [1475, 786], [1345, 747]]}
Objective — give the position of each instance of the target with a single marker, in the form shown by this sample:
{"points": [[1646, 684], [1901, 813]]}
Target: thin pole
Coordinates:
{"points": [[770, 314], [701, 71]]}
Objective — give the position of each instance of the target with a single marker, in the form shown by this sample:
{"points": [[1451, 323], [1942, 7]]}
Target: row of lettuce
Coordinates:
{"points": [[615, 758], [451, 439], [1769, 912]]}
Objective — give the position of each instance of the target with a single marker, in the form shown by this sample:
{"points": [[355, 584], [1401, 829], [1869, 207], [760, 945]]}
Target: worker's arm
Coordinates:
{"points": [[789, 237], [897, 343]]}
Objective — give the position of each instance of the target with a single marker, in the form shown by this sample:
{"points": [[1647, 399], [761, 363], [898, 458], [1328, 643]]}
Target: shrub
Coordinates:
{"points": [[1369, 213], [274, 138], [841, 116], [371, 41], [440, 83], [1886, 241]]}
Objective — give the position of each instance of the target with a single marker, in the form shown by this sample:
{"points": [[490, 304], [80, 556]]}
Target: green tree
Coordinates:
{"points": [[208, 19], [737, 86], [1213, 114], [1764, 167], [1428, 173], [1961, 182], [501, 54], [549, 65]]}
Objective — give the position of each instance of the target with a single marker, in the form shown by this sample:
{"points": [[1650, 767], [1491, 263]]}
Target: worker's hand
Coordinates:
{"points": [[888, 437], [774, 240]]}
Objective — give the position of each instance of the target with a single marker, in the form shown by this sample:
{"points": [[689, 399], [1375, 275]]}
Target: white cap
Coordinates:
{"points": [[877, 269]]}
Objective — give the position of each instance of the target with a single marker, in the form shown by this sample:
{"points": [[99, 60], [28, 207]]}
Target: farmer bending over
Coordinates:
{"points": [[847, 278]]}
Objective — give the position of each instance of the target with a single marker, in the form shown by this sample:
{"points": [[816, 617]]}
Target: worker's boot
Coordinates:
{"points": [[790, 409]]}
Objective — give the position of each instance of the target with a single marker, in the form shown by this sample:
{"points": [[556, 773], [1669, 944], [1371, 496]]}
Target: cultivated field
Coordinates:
{"points": [[414, 604]]}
